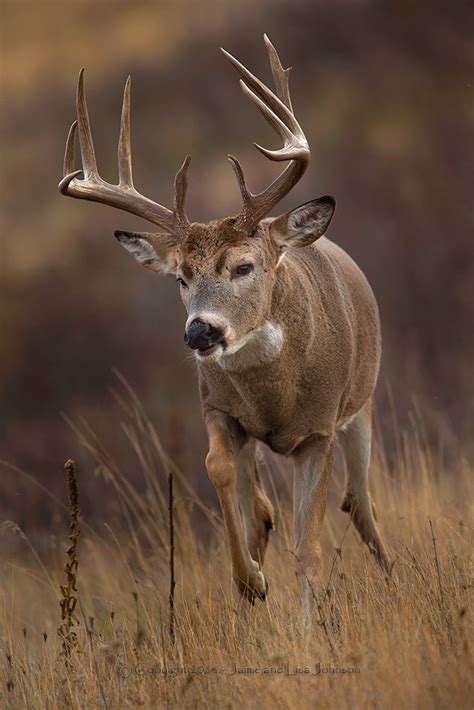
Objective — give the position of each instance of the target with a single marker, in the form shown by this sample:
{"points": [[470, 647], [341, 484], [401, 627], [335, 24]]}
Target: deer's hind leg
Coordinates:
{"points": [[356, 439], [313, 466]]}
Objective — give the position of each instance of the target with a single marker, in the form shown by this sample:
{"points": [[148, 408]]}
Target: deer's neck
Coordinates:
{"points": [[259, 347]]}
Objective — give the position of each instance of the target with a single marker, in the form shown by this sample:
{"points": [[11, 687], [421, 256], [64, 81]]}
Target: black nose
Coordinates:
{"points": [[201, 335]]}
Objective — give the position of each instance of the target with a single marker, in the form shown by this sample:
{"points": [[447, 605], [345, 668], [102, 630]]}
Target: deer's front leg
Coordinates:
{"points": [[224, 445], [313, 465]]}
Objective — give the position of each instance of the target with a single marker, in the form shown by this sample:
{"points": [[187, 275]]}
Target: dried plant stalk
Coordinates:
{"points": [[69, 591], [171, 560]]}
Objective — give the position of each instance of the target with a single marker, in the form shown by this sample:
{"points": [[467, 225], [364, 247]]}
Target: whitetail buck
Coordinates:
{"points": [[285, 330]]}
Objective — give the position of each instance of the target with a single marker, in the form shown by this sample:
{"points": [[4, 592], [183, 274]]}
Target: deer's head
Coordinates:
{"points": [[226, 269]]}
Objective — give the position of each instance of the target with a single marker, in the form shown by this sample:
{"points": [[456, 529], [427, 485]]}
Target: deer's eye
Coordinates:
{"points": [[181, 282], [244, 269]]}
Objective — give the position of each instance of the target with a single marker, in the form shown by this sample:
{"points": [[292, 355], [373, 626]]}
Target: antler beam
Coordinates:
{"points": [[124, 196]]}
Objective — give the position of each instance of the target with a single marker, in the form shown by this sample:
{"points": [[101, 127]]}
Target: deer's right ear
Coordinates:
{"points": [[303, 225], [154, 251]]}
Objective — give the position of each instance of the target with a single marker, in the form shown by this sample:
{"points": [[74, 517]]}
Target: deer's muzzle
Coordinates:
{"points": [[202, 336]]}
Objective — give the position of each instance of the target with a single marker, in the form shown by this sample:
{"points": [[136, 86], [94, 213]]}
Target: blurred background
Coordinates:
{"points": [[384, 92]]}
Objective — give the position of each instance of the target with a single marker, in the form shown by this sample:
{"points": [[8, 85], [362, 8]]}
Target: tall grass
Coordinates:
{"points": [[373, 645]]}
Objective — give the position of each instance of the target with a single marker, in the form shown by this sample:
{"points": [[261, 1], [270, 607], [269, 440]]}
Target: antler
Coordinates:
{"points": [[124, 195], [278, 111]]}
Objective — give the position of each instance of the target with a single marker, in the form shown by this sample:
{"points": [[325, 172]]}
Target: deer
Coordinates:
{"points": [[285, 331]]}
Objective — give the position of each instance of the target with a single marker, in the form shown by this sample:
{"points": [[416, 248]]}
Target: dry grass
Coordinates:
{"points": [[401, 646]]}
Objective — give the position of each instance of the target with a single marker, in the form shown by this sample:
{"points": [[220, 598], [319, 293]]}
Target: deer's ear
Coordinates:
{"points": [[154, 251], [303, 225]]}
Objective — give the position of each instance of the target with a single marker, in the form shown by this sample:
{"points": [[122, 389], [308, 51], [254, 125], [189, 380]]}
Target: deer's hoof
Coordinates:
{"points": [[256, 588]]}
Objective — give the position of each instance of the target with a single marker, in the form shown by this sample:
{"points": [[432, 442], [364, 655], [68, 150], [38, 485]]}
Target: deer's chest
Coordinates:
{"points": [[267, 409]]}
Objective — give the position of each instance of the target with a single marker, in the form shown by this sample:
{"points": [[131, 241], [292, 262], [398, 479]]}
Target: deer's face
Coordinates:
{"points": [[226, 281]]}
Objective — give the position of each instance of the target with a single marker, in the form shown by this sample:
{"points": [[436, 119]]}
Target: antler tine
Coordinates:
{"points": [[69, 158], [244, 191], [281, 76], [180, 190], [124, 146], [277, 124], [89, 162], [123, 196], [278, 111], [70, 153]]}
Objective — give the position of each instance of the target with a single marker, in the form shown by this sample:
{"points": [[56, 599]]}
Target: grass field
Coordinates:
{"points": [[373, 645]]}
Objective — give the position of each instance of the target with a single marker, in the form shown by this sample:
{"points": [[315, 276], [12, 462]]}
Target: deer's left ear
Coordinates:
{"points": [[156, 252], [303, 225]]}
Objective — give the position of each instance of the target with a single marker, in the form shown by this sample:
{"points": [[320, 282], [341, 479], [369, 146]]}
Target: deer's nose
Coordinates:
{"points": [[201, 335]]}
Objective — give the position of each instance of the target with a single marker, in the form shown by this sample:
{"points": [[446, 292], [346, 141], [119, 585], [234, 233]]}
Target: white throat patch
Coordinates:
{"points": [[258, 347]]}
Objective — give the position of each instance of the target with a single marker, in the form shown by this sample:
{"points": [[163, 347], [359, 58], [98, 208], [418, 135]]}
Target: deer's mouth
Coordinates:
{"points": [[208, 350]]}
